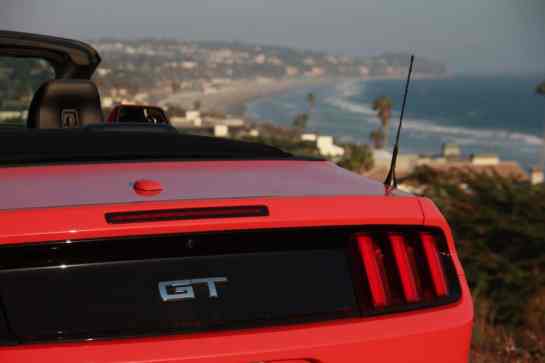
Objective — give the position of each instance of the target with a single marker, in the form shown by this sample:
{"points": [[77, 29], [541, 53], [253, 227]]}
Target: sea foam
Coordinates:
{"points": [[463, 135]]}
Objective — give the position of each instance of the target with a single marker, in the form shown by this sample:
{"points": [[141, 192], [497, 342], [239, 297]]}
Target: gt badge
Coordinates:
{"points": [[183, 289]]}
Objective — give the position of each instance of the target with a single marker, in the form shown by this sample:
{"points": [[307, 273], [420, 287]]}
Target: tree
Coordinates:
{"points": [[377, 138], [540, 90], [358, 158], [311, 100], [383, 105], [300, 122], [498, 223]]}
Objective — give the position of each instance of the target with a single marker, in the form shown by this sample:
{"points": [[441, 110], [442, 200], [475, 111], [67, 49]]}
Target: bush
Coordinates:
{"points": [[358, 158], [498, 223]]}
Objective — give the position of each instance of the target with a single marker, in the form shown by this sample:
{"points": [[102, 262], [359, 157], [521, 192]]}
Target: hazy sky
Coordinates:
{"points": [[470, 35]]}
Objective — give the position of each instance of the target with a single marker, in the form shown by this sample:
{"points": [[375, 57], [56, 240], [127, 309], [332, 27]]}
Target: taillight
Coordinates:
{"points": [[405, 270], [373, 262], [429, 245], [406, 264]]}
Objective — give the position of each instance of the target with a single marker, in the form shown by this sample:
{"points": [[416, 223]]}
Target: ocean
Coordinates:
{"points": [[498, 115]]}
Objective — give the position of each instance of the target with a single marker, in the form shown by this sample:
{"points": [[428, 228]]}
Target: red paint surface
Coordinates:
{"points": [[68, 185], [69, 202], [83, 222]]}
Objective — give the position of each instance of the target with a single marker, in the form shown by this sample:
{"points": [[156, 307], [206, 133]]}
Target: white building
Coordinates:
{"points": [[327, 147], [309, 61], [260, 59], [189, 65], [451, 151], [325, 144], [192, 118], [107, 101], [292, 71], [209, 89], [233, 122], [141, 97], [364, 71], [536, 176], [254, 133], [221, 130], [485, 159], [317, 72], [103, 71], [193, 115], [309, 137]]}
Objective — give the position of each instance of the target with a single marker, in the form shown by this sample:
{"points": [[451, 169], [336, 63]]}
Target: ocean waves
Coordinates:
{"points": [[441, 112], [426, 127]]}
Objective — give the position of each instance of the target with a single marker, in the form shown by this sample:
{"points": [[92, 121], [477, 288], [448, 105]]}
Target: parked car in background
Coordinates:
{"points": [[138, 114]]}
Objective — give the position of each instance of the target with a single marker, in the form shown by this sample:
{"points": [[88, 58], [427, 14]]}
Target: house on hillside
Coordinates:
{"points": [[451, 159], [325, 145]]}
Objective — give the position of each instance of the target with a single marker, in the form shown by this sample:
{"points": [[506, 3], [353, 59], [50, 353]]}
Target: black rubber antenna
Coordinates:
{"points": [[391, 180]]}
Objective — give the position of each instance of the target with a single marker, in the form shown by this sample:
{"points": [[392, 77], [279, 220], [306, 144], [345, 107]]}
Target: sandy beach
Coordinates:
{"points": [[232, 99]]}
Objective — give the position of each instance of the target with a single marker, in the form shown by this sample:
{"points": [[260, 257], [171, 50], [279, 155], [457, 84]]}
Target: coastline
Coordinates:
{"points": [[440, 113], [240, 108], [422, 134], [233, 100]]}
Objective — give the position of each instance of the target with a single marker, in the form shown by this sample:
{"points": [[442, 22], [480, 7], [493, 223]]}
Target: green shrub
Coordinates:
{"points": [[499, 224]]}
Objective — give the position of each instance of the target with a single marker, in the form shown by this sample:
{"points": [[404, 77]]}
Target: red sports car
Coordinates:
{"points": [[122, 244]]}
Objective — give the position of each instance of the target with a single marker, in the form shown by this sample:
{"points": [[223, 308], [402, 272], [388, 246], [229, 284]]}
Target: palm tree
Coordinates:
{"points": [[383, 105], [311, 100], [540, 90], [377, 138], [300, 122]]}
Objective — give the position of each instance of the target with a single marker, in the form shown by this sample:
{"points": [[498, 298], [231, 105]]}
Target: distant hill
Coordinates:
{"points": [[141, 62]]}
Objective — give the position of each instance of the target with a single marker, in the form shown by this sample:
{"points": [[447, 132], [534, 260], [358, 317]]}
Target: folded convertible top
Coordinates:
{"points": [[32, 146]]}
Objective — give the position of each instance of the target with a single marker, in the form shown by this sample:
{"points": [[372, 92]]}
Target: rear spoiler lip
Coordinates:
{"points": [[38, 225]]}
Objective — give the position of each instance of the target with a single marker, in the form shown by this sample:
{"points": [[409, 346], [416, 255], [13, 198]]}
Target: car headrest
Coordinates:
{"points": [[65, 103]]}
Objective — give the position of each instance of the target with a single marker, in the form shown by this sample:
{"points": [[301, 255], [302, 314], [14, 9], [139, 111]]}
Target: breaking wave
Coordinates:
{"points": [[462, 135]]}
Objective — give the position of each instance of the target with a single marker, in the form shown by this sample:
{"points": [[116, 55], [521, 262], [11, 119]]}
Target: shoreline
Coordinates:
{"points": [[233, 100], [240, 111], [521, 146]]}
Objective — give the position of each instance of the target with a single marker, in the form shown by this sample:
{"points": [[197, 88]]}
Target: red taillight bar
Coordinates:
{"points": [[374, 269], [431, 252], [190, 213], [405, 267]]}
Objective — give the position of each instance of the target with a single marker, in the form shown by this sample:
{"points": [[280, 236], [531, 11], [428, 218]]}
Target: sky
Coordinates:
{"points": [[471, 36]]}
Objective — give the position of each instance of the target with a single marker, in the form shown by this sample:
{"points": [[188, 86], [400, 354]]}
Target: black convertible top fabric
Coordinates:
{"points": [[26, 146]]}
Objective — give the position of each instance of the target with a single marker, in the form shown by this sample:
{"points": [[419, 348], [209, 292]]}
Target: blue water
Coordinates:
{"points": [[500, 115]]}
